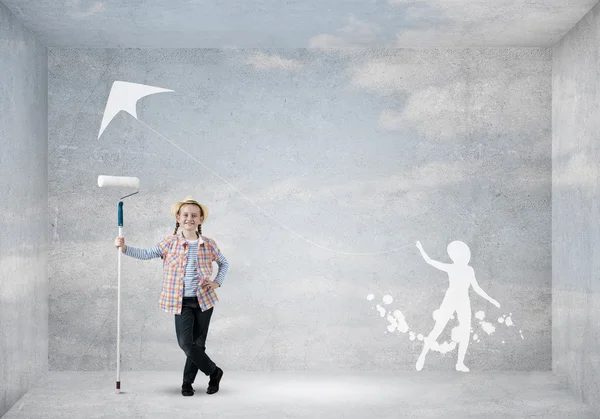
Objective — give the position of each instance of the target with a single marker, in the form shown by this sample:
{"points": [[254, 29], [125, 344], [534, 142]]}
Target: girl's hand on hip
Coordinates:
{"points": [[209, 285]]}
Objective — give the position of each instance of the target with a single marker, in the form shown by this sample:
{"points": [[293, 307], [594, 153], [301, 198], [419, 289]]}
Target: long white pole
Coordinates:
{"points": [[119, 315]]}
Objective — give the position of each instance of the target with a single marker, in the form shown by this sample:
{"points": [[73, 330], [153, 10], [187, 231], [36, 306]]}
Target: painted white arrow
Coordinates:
{"points": [[124, 96]]}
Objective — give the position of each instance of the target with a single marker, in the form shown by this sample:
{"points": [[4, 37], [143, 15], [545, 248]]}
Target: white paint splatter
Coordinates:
{"points": [[401, 321], [397, 321], [455, 334], [488, 327], [443, 348]]}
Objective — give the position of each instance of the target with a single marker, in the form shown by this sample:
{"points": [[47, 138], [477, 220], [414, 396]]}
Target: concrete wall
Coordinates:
{"points": [[24, 208], [575, 209], [321, 170]]}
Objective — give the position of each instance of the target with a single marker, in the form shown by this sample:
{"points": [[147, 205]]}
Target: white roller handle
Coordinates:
{"points": [[119, 315]]}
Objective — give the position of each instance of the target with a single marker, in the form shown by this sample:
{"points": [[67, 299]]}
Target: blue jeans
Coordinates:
{"points": [[191, 327]]}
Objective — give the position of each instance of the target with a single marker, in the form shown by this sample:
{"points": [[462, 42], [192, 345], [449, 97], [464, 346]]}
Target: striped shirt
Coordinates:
{"points": [[191, 279], [175, 251]]}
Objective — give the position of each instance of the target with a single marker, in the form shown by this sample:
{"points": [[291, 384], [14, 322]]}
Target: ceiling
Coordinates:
{"points": [[299, 23]]}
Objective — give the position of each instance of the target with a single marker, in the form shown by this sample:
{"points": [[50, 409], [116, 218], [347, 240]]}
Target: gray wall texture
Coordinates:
{"points": [[24, 208], [575, 211], [321, 170]]}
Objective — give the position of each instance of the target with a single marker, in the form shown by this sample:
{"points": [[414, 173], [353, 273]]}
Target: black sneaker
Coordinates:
{"points": [[215, 379], [186, 389]]}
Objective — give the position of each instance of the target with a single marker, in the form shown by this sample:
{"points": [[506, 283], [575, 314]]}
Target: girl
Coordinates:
{"points": [[461, 277], [187, 290]]}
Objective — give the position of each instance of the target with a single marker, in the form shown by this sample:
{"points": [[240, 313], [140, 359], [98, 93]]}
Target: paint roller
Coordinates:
{"points": [[127, 183], [118, 182]]}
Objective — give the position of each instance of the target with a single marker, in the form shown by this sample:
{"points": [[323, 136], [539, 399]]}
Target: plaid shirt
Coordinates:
{"points": [[173, 250]]}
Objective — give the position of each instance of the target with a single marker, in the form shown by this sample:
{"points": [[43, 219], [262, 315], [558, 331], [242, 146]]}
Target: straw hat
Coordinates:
{"points": [[189, 200]]}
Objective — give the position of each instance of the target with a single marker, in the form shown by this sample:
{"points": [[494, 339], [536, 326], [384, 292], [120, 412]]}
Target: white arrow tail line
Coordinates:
{"points": [[124, 96], [266, 213]]}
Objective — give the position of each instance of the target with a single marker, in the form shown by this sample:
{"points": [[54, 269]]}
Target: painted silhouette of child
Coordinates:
{"points": [[460, 276]]}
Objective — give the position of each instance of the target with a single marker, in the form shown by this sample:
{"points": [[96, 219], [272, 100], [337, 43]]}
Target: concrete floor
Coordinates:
{"points": [[303, 395]]}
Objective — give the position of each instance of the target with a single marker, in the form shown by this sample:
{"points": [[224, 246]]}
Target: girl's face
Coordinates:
{"points": [[189, 217]]}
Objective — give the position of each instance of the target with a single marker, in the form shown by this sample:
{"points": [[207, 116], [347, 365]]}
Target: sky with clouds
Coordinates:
{"points": [[364, 134], [319, 161], [299, 24]]}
